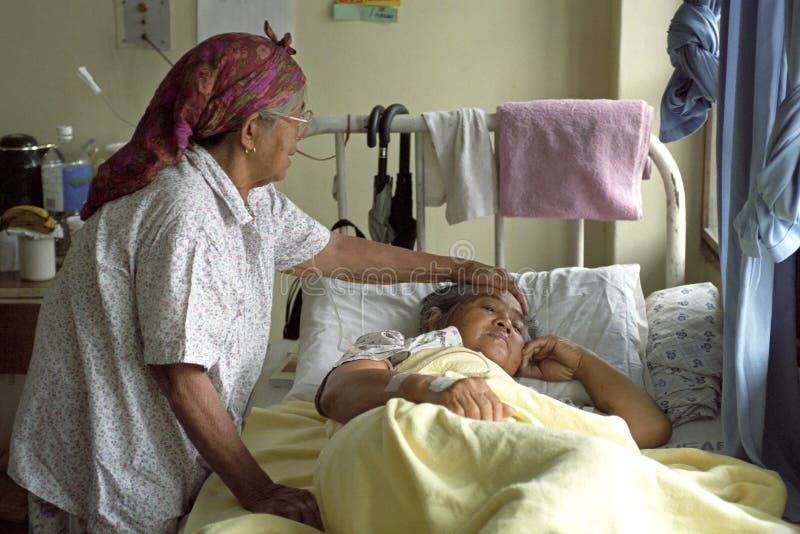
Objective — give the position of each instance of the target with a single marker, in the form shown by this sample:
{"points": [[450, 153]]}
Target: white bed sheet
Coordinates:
{"points": [[705, 434], [265, 393]]}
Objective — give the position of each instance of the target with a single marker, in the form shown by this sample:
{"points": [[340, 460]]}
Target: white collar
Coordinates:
{"points": [[219, 181]]}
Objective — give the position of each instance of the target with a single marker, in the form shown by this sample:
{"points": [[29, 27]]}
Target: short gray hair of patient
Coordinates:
{"points": [[445, 300]]}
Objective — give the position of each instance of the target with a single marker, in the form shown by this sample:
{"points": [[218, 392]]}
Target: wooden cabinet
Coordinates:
{"points": [[19, 310]]}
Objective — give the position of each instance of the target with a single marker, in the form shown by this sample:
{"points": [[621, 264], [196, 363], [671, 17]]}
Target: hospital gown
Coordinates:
{"points": [[392, 347]]}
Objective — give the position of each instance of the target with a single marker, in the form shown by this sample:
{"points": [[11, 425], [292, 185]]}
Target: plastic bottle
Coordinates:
{"points": [[66, 173]]}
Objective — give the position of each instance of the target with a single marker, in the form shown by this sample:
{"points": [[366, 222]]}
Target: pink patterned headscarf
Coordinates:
{"points": [[212, 89]]}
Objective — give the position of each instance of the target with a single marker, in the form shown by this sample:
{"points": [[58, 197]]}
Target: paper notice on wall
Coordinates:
{"points": [[223, 16], [364, 12]]}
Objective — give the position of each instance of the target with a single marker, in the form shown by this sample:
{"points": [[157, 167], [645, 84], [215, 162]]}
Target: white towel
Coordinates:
{"points": [[459, 164]]}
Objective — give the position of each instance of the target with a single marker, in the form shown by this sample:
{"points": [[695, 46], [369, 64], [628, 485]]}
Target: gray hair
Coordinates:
{"points": [[294, 101], [447, 299]]}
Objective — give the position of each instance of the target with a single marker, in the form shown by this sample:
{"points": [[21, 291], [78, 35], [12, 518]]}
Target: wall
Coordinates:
{"points": [[502, 51], [644, 68], [441, 55]]}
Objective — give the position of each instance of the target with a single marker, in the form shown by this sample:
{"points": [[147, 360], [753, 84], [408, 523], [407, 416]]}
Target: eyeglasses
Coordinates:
{"points": [[303, 121]]}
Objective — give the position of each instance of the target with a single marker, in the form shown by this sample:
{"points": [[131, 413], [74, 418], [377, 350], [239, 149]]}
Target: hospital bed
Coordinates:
{"points": [[670, 342]]}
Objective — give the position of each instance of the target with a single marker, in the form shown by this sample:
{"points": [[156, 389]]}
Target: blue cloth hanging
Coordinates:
{"points": [[769, 218], [693, 47]]}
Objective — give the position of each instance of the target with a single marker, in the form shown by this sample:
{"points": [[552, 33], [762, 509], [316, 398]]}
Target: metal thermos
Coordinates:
{"points": [[20, 171]]}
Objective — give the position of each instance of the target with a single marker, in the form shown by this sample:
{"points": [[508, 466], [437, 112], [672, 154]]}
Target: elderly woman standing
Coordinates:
{"points": [[153, 335]]}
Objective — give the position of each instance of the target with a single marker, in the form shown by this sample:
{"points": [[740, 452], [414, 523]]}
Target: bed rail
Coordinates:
{"points": [[659, 154]]}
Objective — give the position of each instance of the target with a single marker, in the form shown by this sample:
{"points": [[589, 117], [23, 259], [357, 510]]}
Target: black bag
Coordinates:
{"points": [[294, 304]]}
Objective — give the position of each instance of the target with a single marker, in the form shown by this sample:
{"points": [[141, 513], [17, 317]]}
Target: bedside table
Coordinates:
{"points": [[19, 310]]}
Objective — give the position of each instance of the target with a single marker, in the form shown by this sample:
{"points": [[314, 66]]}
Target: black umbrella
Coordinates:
{"points": [[400, 220], [379, 228]]}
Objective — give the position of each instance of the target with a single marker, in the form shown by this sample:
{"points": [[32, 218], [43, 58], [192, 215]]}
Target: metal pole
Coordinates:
{"points": [[341, 178], [419, 190], [499, 240], [578, 242]]}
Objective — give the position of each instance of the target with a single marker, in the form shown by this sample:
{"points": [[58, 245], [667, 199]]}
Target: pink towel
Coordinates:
{"points": [[573, 159]]}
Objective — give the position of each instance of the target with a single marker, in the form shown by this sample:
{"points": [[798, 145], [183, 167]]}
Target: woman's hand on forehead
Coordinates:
{"points": [[481, 275]]}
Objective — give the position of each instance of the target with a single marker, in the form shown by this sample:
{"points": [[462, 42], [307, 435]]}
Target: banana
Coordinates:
{"points": [[28, 217], [16, 210]]}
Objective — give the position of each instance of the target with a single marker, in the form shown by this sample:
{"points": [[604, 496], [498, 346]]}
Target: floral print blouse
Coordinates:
{"points": [[179, 271]]}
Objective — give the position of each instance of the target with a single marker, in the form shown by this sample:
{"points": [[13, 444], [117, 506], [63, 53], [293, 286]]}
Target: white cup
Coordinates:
{"points": [[37, 258]]}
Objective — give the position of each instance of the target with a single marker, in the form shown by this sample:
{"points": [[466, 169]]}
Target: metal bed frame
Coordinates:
{"points": [[659, 154]]}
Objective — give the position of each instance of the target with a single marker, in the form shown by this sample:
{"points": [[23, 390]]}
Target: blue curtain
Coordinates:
{"points": [[758, 153]]}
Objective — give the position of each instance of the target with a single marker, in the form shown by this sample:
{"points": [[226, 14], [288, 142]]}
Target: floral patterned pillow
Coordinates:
{"points": [[684, 351]]}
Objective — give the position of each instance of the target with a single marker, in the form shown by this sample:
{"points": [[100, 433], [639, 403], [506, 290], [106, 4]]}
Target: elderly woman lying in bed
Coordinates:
{"points": [[419, 466], [491, 323]]}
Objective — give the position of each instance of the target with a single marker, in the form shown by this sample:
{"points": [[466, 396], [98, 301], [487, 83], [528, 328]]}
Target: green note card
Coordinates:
{"points": [[361, 12]]}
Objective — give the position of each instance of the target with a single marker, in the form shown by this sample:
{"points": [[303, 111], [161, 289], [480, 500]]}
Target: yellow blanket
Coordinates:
{"points": [[286, 440], [420, 468]]}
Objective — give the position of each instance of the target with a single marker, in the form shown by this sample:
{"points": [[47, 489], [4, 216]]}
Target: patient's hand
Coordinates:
{"points": [[550, 358], [292, 503], [471, 397]]}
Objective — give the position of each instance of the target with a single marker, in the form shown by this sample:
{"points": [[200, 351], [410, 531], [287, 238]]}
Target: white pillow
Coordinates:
{"points": [[601, 308], [336, 313]]}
